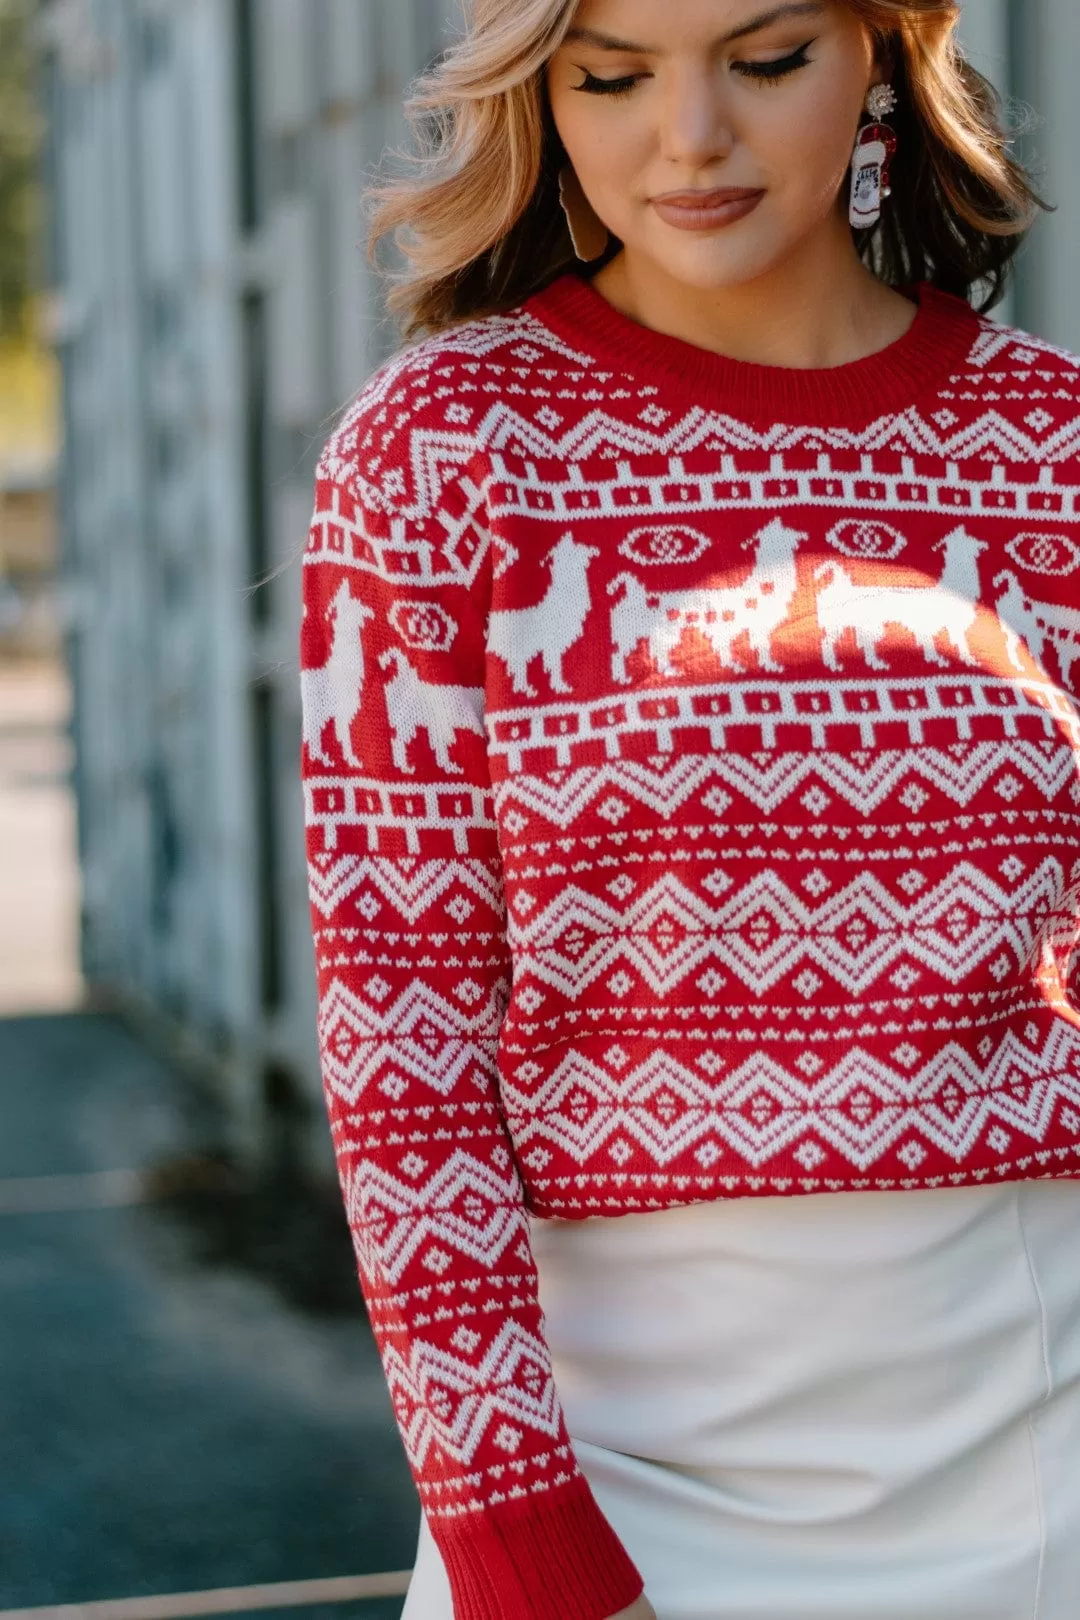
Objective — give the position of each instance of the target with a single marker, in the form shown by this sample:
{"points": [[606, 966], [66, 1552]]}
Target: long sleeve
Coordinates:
{"points": [[413, 977]]}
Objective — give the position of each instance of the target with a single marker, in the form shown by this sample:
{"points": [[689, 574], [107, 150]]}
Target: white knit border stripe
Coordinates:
{"points": [[227, 1599]]}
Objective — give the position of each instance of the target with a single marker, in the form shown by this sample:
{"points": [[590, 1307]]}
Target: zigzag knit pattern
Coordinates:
{"points": [[692, 785]]}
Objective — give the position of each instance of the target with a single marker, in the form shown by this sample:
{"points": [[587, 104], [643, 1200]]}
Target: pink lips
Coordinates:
{"points": [[706, 210]]}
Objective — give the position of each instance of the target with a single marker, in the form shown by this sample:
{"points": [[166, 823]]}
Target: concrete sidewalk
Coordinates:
{"points": [[166, 1425]]}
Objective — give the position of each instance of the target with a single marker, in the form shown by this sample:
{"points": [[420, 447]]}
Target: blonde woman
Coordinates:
{"points": [[692, 778]]}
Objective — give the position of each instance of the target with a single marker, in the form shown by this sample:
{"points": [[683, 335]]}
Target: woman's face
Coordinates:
{"points": [[754, 101]]}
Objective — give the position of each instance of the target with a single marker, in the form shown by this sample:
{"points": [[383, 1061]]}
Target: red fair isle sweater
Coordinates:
{"points": [[692, 778]]}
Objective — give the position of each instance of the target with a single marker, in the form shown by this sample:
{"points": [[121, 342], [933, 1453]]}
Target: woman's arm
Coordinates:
{"points": [[413, 976]]}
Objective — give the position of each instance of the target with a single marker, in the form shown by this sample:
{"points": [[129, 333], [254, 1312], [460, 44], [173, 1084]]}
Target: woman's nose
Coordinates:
{"points": [[696, 129]]}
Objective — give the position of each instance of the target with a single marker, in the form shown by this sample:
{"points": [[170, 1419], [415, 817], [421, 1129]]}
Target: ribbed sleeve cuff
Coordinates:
{"points": [[545, 1558]]}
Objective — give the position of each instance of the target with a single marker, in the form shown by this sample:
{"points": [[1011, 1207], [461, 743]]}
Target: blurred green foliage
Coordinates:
{"points": [[20, 188]]}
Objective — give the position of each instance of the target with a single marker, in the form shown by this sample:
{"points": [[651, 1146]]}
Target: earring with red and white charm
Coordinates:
{"points": [[874, 152]]}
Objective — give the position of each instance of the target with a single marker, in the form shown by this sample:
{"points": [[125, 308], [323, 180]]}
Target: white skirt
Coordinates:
{"points": [[852, 1406]]}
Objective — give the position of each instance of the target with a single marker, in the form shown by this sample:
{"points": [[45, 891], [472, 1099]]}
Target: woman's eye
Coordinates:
{"points": [[607, 87], [778, 69]]}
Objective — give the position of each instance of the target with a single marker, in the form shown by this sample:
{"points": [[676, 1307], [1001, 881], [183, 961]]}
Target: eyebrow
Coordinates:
{"points": [[607, 42]]}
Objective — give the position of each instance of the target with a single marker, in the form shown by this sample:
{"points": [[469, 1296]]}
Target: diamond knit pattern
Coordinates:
{"points": [[692, 789]]}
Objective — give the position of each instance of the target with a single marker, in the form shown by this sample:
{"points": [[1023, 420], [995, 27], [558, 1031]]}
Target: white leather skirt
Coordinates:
{"points": [[853, 1406]]}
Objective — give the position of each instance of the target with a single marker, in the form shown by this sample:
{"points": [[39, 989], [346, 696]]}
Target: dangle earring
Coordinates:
{"points": [[874, 152], [588, 232]]}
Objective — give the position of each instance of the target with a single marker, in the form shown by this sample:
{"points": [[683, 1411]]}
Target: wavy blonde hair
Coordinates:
{"points": [[476, 215]]}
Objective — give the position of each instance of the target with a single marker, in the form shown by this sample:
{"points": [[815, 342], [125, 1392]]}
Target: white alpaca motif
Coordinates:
{"points": [[548, 629], [414, 705], [756, 608], [333, 692], [1031, 623], [949, 608]]}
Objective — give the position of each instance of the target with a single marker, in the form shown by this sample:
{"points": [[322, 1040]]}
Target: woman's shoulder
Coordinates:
{"points": [[1006, 349], [1014, 396], [438, 394]]}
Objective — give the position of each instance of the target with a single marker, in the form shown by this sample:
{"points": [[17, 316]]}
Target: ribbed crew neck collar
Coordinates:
{"points": [[934, 346]]}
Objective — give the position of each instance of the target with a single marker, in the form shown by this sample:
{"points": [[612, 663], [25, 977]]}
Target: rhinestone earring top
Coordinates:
{"points": [[881, 101]]}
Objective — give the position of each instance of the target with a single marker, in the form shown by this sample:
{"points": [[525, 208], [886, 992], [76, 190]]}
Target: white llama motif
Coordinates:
{"points": [[550, 628], [951, 607], [756, 608], [333, 692], [1031, 623], [414, 705]]}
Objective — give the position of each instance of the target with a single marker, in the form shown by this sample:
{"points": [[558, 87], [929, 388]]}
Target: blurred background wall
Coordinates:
{"points": [[211, 311]]}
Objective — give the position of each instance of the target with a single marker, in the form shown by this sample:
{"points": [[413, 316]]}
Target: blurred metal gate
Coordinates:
{"points": [[212, 310]]}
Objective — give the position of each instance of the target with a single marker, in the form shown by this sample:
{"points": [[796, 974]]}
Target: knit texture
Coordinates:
{"points": [[692, 788]]}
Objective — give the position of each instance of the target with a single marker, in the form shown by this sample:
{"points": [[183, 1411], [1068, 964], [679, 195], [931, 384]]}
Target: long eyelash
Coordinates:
{"points": [[770, 72], [606, 87]]}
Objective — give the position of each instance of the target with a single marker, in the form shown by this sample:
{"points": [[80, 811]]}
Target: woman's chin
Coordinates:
{"points": [[705, 264]]}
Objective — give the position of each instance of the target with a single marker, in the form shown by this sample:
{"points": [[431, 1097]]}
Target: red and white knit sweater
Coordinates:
{"points": [[692, 777]]}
